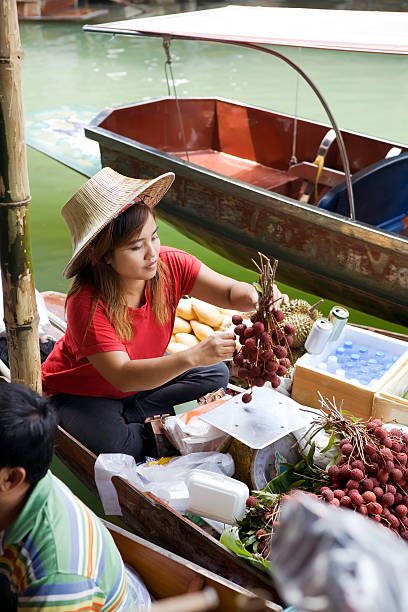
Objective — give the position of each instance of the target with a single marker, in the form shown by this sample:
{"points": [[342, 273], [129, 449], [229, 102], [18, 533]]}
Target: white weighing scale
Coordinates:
{"points": [[262, 433]]}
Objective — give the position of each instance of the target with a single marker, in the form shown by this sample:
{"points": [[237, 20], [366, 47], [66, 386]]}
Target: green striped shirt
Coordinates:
{"points": [[59, 556]]}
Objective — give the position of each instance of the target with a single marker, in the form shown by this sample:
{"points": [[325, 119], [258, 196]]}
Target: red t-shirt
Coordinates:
{"points": [[67, 369]]}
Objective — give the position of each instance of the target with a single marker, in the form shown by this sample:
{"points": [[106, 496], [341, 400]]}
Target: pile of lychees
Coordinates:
{"points": [[265, 345], [372, 477]]}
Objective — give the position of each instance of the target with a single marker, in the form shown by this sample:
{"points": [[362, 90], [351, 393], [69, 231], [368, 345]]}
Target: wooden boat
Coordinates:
{"points": [[55, 10], [168, 575], [236, 189]]}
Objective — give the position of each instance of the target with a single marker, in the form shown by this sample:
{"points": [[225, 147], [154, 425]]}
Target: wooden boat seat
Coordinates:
{"points": [[380, 193], [308, 171], [244, 170]]}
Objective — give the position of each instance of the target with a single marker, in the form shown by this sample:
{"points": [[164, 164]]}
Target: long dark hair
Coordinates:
{"points": [[98, 273]]}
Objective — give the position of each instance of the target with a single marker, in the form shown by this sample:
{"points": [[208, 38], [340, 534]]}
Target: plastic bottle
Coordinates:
{"points": [[363, 352], [364, 371], [379, 356], [364, 375], [341, 372], [340, 354], [388, 365], [322, 366], [332, 363], [372, 364], [348, 347], [350, 369]]}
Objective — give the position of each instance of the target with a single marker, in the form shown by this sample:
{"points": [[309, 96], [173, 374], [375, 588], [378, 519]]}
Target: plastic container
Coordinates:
{"points": [[216, 496], [332, 363]]}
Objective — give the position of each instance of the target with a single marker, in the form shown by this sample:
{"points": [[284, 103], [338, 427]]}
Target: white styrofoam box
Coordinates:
{"points": [[356, 397], [389, 403], [216, 496], [373, 341]]}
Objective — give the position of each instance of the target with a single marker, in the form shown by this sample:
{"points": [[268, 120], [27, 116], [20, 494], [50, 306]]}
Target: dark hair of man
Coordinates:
{"points": [[27, 430]]}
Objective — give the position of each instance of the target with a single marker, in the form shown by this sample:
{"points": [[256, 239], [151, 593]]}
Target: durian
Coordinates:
{"points": [[296, 353], [301, 315]]}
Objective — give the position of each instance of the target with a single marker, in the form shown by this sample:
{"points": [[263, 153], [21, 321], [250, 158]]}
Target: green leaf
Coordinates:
{"points": [[297, 484], [261, 564], [282, 483], [330, 443], [230, 538], [257, 287], [333, 461], [250, 540], [355, 419], [310, 455]]}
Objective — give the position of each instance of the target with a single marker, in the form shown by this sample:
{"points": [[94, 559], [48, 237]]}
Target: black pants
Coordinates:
{"points": [[116, 426]]}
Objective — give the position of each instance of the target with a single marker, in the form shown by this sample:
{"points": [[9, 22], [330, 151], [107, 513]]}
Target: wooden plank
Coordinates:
{"points": [[77, 458]]}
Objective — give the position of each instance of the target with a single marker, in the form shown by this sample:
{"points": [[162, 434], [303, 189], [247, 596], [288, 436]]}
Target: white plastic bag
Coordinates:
{"points": [[44, 321], [115, 464], [167, 481], [321, 441], [137, 590], [190, 434], [330, 559], [179, 468]]}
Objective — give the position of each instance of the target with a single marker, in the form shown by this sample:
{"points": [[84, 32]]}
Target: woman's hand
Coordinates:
{"points": [[214, 348], [278, 298]]}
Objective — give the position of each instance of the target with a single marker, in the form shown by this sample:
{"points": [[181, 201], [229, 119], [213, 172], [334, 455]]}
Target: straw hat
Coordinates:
{"points": [[102, 199]]}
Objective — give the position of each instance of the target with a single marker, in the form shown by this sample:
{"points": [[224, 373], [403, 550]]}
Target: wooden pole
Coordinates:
{"points": [[20, 309]]}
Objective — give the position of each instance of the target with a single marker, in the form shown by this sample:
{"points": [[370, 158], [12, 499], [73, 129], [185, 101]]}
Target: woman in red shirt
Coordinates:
{"points": [[110, 372]]}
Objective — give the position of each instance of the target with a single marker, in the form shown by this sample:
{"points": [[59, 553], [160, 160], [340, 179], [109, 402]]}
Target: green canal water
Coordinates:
{"points": [[65, 67]]}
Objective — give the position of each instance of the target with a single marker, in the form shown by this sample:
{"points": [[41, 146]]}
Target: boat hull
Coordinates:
{"points": [[318, 251]]}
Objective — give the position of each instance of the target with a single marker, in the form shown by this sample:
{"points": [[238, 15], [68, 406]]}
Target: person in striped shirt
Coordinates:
{"points": [[55, 554]]}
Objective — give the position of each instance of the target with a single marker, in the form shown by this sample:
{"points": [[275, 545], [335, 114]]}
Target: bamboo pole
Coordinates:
{"points": [[20, 309]]}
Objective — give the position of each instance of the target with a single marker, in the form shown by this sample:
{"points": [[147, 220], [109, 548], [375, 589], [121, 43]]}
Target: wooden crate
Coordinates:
{"points": [[388, 403], [358, 399]]}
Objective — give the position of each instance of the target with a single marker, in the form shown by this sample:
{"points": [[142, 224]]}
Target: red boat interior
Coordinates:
{"points": [[245, 143]]}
